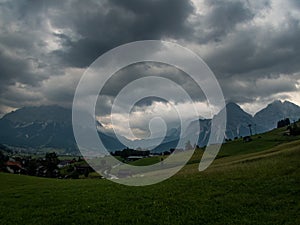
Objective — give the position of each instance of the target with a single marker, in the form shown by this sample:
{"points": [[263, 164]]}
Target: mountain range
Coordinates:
{"points": [[51, 127], [45, 127]]}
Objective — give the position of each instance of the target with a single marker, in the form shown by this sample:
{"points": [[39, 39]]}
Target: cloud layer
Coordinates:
{"points": [[253, 47]]}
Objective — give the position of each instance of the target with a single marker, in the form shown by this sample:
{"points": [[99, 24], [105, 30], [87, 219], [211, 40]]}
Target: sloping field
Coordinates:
{"points": [[255, 188]]}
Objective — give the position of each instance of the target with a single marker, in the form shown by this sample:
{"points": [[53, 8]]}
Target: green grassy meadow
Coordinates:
{"points": [[250, 183]]}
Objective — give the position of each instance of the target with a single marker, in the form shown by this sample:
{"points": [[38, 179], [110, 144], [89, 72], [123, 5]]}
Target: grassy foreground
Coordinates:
{"points": [[255, 188]]}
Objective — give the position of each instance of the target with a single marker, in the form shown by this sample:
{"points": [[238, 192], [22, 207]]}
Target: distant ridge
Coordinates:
{"points": [[45, 127], [51, 127], [264, 120], [42, 113], [237, 121], [275, 111]]}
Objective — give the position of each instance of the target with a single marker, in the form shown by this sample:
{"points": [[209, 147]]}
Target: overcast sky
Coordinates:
{"points": [[253, 47]]}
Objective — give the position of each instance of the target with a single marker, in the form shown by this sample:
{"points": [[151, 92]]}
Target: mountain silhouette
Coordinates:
{"points": [[51, 127], [45, 127], [277, 110]]}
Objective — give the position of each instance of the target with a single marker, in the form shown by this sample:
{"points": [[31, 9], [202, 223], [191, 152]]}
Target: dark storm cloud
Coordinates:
{"points": [[23, 57], [246, 46], [295, 3], [80, 31], [248, 90], [43, 42], [146, 69], [101, 27], [140, 70], [252, 51], [10, 73], [158, 18], [222, 18]]}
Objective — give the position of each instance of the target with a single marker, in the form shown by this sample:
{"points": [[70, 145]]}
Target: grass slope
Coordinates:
{"points": [[238, 147], [261, 191], [260, 142], [257, 187]]}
